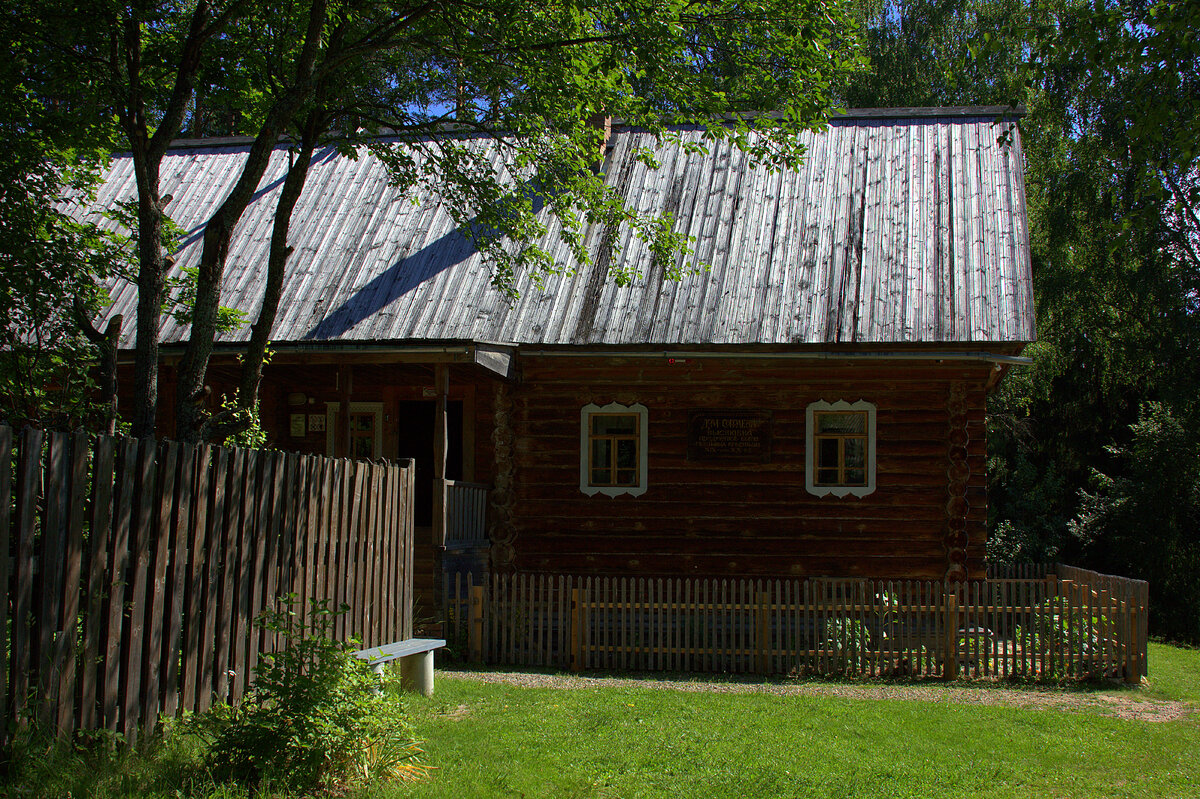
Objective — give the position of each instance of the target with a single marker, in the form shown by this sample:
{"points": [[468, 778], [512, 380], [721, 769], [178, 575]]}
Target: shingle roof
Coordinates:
{"points": [[896, 229]]}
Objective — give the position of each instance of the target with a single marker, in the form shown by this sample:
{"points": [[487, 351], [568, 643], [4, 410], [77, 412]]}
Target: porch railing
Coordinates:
{"points": [[466, 513]]}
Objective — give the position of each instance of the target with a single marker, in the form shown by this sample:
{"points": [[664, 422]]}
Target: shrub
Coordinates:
{"points": [[1052, 630], [845, 637], [315, 716]]}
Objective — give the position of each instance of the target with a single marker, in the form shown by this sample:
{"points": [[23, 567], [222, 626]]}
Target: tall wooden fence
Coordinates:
{"points": [[135, 569], [1052, 627]]}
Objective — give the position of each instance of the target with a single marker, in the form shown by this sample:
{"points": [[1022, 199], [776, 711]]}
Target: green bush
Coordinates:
{"points": [[1052, 629], [315, 717], [845, 637]]}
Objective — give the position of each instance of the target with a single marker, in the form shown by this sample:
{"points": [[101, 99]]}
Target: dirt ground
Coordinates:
{"points": [[1119, 705]]}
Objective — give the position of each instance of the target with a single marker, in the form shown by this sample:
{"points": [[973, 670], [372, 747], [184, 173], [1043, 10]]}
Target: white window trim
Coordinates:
{"points": [[810, 470], [643, 456], [331, 414]]}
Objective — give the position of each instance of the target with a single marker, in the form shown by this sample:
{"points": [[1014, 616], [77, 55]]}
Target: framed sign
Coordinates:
{"points": [[297, 425], [729, 435]]}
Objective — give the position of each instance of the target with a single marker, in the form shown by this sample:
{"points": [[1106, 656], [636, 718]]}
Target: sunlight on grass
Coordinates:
{"points": [[1174, 673], [491, 740], [606, 742]]}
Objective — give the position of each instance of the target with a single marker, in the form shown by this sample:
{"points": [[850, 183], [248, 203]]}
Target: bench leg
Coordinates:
{"points": [[416, 673], [377, 668]]}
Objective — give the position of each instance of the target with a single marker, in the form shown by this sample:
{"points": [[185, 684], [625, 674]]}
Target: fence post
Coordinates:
{"points": [[1133, 661], [950, 669], [576, 631], [476, 624], [764, 632]]}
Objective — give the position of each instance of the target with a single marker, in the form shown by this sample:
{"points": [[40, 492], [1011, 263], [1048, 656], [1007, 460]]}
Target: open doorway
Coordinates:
{"points": [[415, 423]]}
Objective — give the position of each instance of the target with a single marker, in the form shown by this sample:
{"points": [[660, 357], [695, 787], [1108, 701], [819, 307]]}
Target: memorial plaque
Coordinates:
{"points": [[719, 435]]}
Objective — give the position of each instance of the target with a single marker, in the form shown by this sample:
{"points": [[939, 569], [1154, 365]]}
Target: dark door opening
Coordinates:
{"points": [[415, 424]]}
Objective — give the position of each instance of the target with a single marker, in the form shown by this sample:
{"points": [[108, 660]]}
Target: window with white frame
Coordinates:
{"points": [[612, 449], [840, 451]]}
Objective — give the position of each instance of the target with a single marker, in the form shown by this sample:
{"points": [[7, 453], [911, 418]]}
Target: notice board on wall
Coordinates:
{"points": [[729, 435]]}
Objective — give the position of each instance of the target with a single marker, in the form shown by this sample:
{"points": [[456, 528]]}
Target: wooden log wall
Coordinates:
{"points": [[139, 567], [728, 518]]}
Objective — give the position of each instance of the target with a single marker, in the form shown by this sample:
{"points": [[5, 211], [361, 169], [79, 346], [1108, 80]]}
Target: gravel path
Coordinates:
{"points": [[1117, 705]]}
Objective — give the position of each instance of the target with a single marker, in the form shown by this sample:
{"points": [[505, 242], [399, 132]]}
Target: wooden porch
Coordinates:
{"points": [[457, 548]]}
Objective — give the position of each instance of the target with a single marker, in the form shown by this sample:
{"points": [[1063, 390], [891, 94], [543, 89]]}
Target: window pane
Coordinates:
{"points": [[601, 477], [626, 454], [601, 453], [361, 447], [850, 422], [614, 424], [856, 453], [362, 421], [856, 477], [827, 453], [626, 477], [827, 477]]}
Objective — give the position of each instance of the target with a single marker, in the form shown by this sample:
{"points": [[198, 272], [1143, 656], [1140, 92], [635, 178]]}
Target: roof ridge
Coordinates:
{"points": [[915, 112]]}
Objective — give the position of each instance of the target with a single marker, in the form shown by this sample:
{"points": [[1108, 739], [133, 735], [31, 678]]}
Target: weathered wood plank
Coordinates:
{"points": [[231, 541], [66, 656], [100, 532], [182, 548], [199, 563], [243, 623], [158, 589], [268, 462], [48, 582], [133, 639]]}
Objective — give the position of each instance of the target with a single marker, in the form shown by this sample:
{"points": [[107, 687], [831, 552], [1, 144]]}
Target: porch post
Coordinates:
{"points": [[341, 437], [441, 378]]}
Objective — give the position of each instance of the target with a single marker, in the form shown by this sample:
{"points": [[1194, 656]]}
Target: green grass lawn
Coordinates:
{"points": [[489, 740], [1174, 673]]}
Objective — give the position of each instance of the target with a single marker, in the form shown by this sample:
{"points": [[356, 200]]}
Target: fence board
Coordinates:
{"points": [[979, 630], [199, 560], [48, 581], [268, 466], [66, 656], [177, 580], [130, 593], [232, 462], [100, 529]]}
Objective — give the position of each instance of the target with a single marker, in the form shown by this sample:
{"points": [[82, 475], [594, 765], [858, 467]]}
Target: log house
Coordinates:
{"points": [[808, 400]]}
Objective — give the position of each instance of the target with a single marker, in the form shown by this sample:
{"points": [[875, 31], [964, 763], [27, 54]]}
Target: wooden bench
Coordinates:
{"points": [[416, 661]]}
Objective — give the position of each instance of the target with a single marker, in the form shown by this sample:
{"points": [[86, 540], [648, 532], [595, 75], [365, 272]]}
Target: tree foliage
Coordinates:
{"points": [[1110, 138], [50, 261], [527, 77]]}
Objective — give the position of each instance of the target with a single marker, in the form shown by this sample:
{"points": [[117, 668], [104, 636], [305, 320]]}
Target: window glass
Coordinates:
{"points": [[627, 453], [854, 422], [855, 453], [827, 453], [841, 448], [613, 450], [604, 424]]}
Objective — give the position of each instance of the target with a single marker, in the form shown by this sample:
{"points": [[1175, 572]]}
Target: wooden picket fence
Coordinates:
{"points": [[1052, 627], [135, 569]]}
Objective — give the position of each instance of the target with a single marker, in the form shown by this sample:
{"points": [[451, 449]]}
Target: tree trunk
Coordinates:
{"points": [[219, 230], [148, 151], [223, 425]]}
